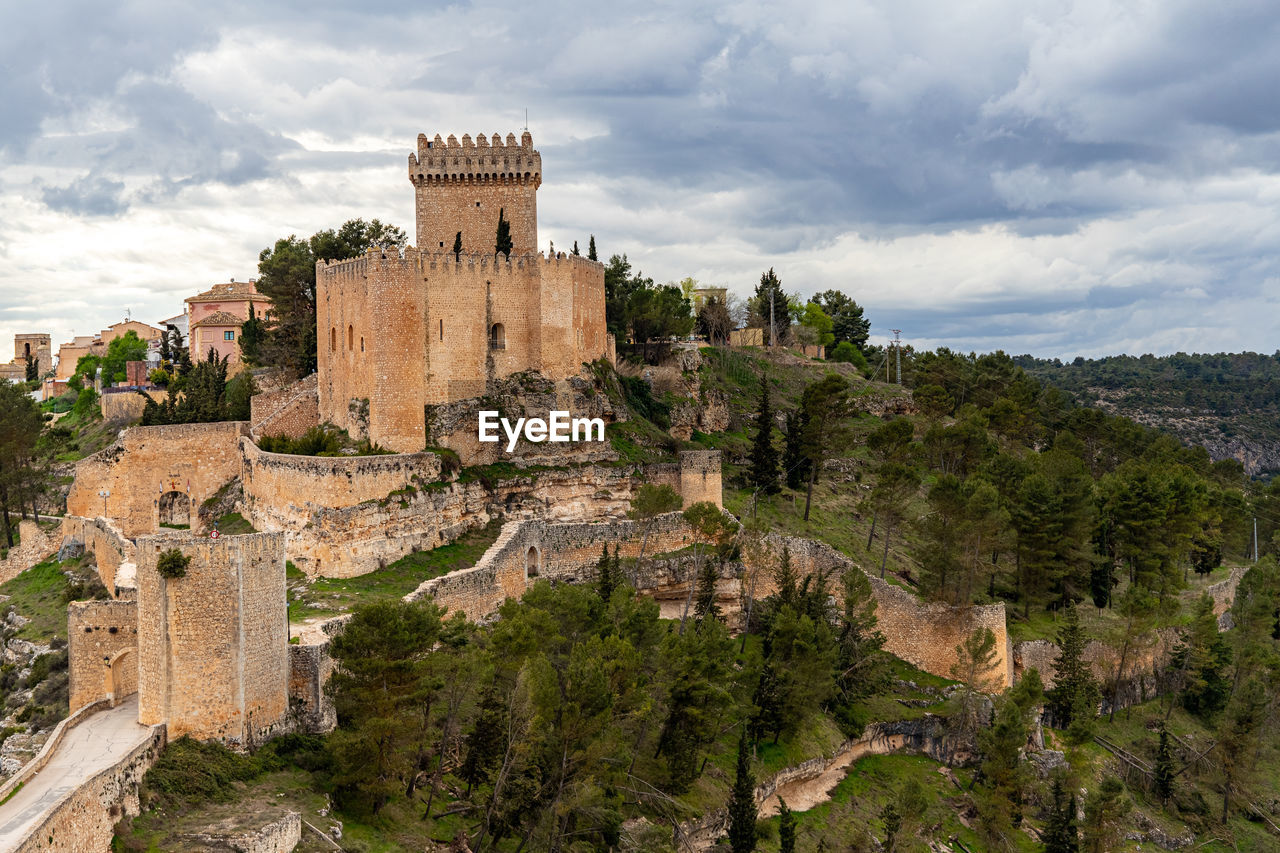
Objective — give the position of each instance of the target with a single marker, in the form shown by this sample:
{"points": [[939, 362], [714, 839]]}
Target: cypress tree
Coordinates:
{"points": [[786, 828], [705, 604], [457, 241], [605, 580], [502, 244], [33, 369], [575, 248], [764, 458], [794, 462], [1164, 767], [742, 803], [482, 745], [1060, 835], [892, 824], [591, 249], [1075, 692]]}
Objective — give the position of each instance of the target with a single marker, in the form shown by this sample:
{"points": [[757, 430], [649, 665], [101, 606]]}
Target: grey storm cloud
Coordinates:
{"points": [[997, 172]]}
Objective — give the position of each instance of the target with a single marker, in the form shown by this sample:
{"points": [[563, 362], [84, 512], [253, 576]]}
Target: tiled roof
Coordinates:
{"points": [[230, 290], [219, 318]]}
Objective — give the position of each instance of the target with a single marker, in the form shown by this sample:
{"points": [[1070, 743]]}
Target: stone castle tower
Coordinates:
{"points": [[397, 334], [463, 187]]}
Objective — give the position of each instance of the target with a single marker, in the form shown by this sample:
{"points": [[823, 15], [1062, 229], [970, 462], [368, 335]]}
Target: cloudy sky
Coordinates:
{"points": [[1059, 177]]}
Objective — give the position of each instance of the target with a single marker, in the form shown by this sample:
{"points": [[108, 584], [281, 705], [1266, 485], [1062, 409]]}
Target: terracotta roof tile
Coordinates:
{"points": [[219, 318]]}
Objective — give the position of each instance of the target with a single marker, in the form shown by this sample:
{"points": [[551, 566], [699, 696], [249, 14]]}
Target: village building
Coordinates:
{"points": [[214, 318]]}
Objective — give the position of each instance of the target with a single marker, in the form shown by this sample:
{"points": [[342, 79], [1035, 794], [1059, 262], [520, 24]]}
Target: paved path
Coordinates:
{"points": [[91, 747]]}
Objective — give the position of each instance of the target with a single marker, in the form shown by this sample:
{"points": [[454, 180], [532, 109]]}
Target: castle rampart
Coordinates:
{"points": [[288, 411], [110, 550], [213, 644], [156, 474]]}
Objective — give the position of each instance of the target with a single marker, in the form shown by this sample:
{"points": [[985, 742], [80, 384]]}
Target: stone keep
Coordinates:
{"points": [[213, 646], [397, 334]]}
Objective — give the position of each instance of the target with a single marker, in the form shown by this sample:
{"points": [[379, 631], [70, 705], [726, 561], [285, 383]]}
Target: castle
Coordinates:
{"points": [[398, 334]]}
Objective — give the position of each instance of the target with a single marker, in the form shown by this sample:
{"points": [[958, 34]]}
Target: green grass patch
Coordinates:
{"points": [[327, 596], [234, 524]]}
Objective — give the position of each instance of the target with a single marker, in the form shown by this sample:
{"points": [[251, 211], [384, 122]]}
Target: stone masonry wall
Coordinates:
{"points": [[33, 546], [109, 548], [700, 477], [102, 644], [309, 669], [925, 634], [289, 411], [147, 462], [527, 550], [213, 645], [84, 819], [127, 405]]}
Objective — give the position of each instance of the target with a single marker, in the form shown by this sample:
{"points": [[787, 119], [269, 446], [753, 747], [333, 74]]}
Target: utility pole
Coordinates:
{"points": [[897, 351], [1255, 539], [773, 332]]}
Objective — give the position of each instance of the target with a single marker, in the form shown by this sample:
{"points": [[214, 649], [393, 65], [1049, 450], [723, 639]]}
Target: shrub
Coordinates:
{"points": [[172, 564]]}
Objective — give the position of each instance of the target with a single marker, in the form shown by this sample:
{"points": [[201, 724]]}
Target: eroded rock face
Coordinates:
{"points": [[708, 413]]}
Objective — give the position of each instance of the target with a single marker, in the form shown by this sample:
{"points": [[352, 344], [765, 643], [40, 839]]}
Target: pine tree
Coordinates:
{"points": [[742, 803], [606, 582], [252, 333], [892, 824], [786, 580], [1164, 767], [591, 249], [764, 458], [794, 463], [1104, 816], [457, 244], [1060, 835], [481, 748], [1075, 693], [575, 248], [767, 718], [502, 244], [786, 828]]}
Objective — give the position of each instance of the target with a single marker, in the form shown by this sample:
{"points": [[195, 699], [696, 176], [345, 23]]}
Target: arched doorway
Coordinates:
{"points": [[123, 676], [532, 562], [497, 336], [175, 510]]}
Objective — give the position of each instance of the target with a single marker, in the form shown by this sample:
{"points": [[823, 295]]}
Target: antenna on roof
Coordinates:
{"points": [[526, 118], [128, 315]]}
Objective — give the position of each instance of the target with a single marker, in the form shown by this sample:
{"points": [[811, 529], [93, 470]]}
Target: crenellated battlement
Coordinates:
{"points": [[482, 160], [445, 262]]}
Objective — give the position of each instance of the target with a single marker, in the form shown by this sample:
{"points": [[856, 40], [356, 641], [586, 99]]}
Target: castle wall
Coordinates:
{"points": [[102, 651], [33, 546], [309, 669], [109, 548], [147, 462], [127, 405], [461, 186], [288, 411], [213, 645]]}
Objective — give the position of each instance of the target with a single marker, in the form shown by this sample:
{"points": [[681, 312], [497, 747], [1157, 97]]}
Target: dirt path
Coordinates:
{"points": [[803, 793]]}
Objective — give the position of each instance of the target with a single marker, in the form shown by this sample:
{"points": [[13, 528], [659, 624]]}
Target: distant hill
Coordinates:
{"points": [[1227, 402]]}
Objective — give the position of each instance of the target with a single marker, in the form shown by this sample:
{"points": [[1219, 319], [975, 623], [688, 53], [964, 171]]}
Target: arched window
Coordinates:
{"points": [[351, 337], [497, 337], [532, 562]]}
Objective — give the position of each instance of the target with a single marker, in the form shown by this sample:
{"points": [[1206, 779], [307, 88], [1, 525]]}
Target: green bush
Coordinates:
{"points": [[172, 564]]}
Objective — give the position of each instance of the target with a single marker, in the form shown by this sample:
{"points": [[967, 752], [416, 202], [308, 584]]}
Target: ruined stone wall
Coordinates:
{"points": [[528, 550], [33, 546], [84, 819], [700, 477], [102, 645], [147, 462], [127, 406], [213, 645], [109, 548], [461, 186], [925, 634], [289, 411], [309, 669]]}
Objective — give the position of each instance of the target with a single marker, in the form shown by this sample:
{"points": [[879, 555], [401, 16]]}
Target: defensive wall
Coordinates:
{"points": [[177, 466], [110, 549], [102, 651], [288, 411], [924, 634], [33, 546], [700, 477], [84, 819], [122, 405], [563, 553], [213, 645], [397, 334]]}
